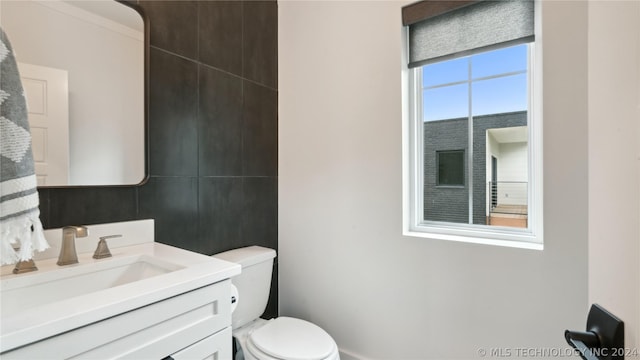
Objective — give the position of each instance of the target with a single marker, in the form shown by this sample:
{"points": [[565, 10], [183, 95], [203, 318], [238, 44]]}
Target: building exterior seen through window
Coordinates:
{"points": [[474, 113]]}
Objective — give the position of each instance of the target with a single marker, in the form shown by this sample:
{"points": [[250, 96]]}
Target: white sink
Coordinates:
{"points": [[38, 288]]}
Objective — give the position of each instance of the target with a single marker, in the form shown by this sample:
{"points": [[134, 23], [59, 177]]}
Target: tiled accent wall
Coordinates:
{"points": [[213, 132]]}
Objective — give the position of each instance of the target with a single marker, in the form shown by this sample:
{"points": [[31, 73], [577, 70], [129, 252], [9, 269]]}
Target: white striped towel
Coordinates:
{"points": [[20, 225]]}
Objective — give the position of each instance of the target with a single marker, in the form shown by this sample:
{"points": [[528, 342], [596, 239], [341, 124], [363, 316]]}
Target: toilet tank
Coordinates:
{"points": [[253, 283]]}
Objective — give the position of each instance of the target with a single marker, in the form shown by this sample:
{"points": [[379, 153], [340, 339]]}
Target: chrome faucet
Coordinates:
{"points": [[68, 253]]}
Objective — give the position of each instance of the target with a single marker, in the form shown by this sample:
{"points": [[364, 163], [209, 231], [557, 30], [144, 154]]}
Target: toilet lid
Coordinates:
{"points": [[294, 339]]}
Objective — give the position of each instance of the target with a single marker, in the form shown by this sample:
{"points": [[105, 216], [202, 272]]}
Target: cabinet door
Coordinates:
{"points": [[215, 347]]}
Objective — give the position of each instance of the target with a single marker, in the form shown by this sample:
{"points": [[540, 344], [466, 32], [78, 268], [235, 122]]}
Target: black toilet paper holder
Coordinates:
{"points": [[603, 339]]}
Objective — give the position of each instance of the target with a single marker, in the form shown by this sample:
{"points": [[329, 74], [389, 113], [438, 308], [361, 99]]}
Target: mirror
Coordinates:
{"points": [[82, 65]]}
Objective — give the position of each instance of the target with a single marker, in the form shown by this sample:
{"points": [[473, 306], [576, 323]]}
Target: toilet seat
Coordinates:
{"points": [[291, 339]]}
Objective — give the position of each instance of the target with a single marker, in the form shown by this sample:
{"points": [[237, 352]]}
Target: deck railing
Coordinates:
{"points": [[508, 197]]}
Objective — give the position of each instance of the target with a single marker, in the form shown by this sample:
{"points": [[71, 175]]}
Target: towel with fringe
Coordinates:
{"points": [[20, 225]]}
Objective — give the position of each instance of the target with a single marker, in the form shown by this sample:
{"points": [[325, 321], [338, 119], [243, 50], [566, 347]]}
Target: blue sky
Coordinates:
{"points": [[497, 95]]}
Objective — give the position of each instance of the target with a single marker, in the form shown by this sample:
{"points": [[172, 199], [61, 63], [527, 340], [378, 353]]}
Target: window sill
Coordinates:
{"points": [[524, 241]]}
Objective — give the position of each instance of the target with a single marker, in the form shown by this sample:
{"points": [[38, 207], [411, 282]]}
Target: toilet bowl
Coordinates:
{"points": [[281, 338]]}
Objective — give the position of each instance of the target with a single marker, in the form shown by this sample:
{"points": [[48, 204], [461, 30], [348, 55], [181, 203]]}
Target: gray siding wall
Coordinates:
{"points": [[445, 203]]}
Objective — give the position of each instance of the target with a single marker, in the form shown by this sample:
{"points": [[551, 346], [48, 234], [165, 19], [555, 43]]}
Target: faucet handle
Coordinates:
{"points": [[25, 266], [102, 251]]}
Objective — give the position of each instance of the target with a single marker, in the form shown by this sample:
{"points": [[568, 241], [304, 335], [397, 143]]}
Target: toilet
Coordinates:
{"points": [[281, 338]]}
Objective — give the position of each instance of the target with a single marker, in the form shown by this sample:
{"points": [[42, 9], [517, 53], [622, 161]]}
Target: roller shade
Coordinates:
{"points": [[465, 27]]}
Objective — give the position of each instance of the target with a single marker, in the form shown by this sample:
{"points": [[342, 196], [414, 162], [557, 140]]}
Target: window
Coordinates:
{"points": [[472, 138], [450, 168]]}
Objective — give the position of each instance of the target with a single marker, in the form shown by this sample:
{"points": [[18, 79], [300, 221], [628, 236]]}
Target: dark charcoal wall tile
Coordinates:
{"points": [[272, 305], [43, 196], [260, 46], [173, 203], [220, 35], [173, 115], [220, 203], [260, 130], [220, 123], [173, 25], [260, 212], [82, 206]]}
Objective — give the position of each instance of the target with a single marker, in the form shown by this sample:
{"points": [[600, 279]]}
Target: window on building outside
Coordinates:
{"points": [[471, 156], [450, 168]]}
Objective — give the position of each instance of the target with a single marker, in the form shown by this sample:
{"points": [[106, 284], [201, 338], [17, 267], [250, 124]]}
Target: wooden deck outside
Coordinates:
{"points": [[508, 215]]}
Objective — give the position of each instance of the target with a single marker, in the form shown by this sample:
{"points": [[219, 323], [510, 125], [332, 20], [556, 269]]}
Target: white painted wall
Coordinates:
{"points": [[513, 171], [614, 161], [512, 163], [106, 131], [343, 261]]}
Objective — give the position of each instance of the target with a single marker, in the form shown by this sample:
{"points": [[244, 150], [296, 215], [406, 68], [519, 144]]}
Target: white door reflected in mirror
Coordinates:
{"points": [[47, 97], [100, 45]]}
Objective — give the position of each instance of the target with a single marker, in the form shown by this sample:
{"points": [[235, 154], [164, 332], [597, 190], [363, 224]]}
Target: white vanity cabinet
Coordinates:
{"points": [[195, 324]]}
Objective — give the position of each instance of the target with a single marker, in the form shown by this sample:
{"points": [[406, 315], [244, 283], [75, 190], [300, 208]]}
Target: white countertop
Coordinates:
{"points": [[194, 270]]}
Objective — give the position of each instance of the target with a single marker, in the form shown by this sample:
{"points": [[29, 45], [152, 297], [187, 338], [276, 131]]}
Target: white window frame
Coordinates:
{"points": [[413, 151]]}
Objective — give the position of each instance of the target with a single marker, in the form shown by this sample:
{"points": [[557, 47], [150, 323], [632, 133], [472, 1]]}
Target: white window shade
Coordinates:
{"points": [[480, 26]]}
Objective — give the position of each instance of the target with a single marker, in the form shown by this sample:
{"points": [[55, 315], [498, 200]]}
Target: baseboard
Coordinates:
{"points": [[349, 355]]}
